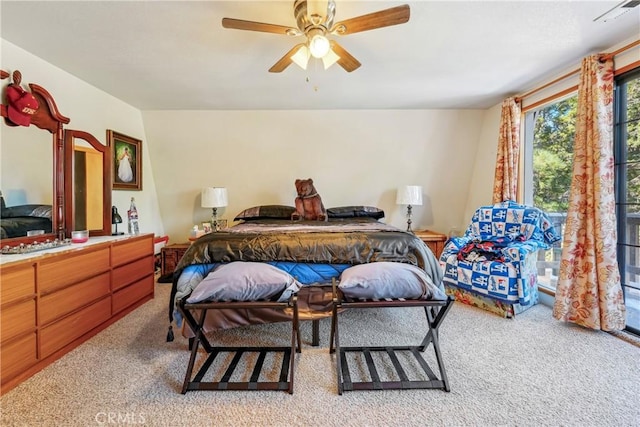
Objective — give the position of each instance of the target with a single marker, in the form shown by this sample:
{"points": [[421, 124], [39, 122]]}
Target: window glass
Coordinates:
{"points": [[549, 137]]}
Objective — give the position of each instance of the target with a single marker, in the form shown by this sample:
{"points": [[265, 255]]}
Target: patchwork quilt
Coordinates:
{"points": [[497, 255]]}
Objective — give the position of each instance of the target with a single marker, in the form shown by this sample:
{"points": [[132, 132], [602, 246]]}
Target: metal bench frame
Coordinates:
{"points": [[285, 381], [435, 312]]}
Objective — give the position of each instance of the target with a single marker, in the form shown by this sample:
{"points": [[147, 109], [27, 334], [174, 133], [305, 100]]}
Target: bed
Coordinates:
{"points": [[19, 221], [312, 252]]}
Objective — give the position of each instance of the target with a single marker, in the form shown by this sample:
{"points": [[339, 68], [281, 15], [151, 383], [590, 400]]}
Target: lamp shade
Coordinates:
{"points": [[301, 57], [115, 216], [409, 195], [214, 197]]}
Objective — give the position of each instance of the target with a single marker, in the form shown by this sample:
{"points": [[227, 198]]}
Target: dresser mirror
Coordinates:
{"points": [[87, 184], [32, 172], [26, 170], [65, 175]]}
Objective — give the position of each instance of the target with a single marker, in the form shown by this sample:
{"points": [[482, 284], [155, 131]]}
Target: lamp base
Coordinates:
{"points": [[409, 230], [116, 232], [214, 220]]}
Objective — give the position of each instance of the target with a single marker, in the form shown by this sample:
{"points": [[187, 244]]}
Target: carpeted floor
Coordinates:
{"points": [[530, 371]]}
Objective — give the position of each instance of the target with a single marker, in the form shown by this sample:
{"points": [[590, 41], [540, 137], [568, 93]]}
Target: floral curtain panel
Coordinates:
{"points": [[589, 291], [505, 183]]}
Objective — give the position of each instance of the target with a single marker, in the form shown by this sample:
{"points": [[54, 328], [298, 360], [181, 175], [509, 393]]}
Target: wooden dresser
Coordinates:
{"points": [[434, 240], [51, 302]]}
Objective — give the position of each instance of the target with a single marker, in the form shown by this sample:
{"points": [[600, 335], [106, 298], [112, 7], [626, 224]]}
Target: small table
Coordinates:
{"points": [[433, 239], [170, 256]]}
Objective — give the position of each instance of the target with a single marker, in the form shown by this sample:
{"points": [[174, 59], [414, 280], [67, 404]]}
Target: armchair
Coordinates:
{"points": [[493, 265]]}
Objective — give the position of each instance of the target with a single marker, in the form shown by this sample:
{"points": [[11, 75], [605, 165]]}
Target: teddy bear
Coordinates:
{"points": [[308, 203]]}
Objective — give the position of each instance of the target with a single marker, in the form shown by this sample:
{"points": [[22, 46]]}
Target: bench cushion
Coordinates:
{"points": [[379, 280], [244, 281]]}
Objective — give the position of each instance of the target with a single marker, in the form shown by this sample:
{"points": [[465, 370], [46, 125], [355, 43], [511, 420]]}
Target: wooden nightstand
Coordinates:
{"points": [[170, 256], [434, 240]]}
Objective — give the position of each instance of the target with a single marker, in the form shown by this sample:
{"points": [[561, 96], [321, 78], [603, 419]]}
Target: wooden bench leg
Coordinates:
{"points": [[315, 332], [194, 351], [288, 354], [435, 314]]}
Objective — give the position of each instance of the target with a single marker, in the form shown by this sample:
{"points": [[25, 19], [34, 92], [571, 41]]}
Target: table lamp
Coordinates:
{"points": [[115, 220], [409, 195], [214, 198]]}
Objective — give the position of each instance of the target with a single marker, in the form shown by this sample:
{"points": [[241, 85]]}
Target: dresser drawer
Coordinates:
{"points": [[63, 332], [57, 273], [17, 356], [129, 273], [17, 319], [130, 250], [65, 301], [132, 293], [17, 282]]}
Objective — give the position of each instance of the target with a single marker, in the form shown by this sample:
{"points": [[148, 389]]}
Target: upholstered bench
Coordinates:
{"points": [[391, 285], [240, 286]]}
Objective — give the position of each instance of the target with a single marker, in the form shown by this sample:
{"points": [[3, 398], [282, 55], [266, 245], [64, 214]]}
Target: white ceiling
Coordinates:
{"points": [[175, 55]]}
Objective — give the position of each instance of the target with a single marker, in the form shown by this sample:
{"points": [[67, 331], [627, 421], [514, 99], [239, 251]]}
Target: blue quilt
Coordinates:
{"points": [[497, 255]]}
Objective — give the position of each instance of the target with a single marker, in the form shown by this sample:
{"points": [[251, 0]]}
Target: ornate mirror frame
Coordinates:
{"points": [[72, 194], [46, 117]]}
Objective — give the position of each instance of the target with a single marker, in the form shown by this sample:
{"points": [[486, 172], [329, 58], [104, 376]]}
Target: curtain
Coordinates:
{"points": [[589, 291], [505, 182]]}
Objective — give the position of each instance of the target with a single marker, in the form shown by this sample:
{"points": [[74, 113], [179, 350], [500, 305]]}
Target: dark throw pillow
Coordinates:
{"points": [[355, 212], [266, 212]]}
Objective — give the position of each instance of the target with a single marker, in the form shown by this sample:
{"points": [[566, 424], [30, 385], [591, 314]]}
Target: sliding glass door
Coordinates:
{"points": [[627, 165]]}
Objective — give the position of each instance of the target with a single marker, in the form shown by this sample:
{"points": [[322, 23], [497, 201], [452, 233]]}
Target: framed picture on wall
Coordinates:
{"points": [[126, 158]]}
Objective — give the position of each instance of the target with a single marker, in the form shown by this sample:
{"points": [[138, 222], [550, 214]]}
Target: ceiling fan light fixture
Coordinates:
{"points": [[301, 57], [329, 59], [318, 44]]}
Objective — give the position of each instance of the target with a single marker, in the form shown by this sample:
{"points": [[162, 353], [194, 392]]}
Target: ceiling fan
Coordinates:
{"points": [[314, 20]]}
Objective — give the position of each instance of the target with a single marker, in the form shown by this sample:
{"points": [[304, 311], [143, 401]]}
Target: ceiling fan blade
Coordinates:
{"points": [[346, 61], [384, 18], [239, 24], [286, 60]]}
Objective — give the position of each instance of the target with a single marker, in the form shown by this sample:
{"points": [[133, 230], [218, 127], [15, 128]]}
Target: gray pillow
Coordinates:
{"points": [[388, 280], [244, 281]]}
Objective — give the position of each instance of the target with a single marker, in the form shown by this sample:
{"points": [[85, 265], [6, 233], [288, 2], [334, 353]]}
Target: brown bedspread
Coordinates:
{"points": [[356, 241]]}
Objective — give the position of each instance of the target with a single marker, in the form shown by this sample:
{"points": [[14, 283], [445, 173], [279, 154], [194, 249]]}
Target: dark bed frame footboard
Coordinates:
{"points": [[198, 382]]}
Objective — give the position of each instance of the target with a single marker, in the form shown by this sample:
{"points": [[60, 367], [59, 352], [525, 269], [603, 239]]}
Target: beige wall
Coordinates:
{"points": [[90, 110], [481, 182], [355, 158]]}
